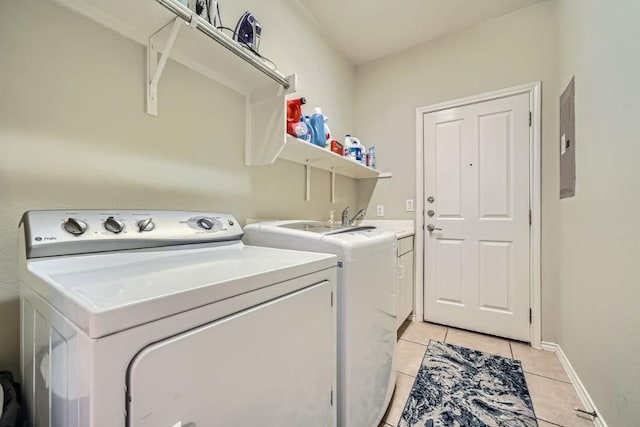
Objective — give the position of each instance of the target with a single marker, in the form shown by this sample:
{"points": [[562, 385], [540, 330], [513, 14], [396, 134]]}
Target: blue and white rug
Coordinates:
{"points": [[457, 386]]}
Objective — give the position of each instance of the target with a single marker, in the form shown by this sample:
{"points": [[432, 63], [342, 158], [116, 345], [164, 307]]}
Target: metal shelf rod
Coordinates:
{"points": [[224, 40]]}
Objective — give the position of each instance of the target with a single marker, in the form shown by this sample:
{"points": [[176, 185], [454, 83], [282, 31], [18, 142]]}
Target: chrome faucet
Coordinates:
{"points": [[360, 214], [345, 216]]}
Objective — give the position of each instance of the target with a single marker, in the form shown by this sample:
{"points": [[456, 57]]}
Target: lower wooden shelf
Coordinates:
{"points": [[299, 151]]}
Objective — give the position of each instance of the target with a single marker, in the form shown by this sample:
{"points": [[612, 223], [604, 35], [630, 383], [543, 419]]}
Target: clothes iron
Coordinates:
{"points": [[248, 31]]}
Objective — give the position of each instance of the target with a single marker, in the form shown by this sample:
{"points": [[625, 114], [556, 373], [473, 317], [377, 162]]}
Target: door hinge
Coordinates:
{"points": [[331, 397], [530, 316], [530, 118], [331, 299], [530, 217]]}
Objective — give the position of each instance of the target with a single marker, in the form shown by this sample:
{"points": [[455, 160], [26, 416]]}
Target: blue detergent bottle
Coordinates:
{"points": [[317, 128], [307, 121]]}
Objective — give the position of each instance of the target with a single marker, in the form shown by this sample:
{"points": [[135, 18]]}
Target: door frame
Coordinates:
{"points": [[534, 91]]}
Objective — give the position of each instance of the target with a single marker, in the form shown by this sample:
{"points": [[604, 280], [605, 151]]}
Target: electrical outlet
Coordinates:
{"points": [[380, 210], [408, 204]]}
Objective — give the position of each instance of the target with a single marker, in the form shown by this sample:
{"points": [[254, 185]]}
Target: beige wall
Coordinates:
{"points": [[508, 51], [73, 132], [599, 320]]}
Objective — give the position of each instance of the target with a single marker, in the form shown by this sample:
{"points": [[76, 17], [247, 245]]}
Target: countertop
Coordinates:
{"points": [[402, 228]]}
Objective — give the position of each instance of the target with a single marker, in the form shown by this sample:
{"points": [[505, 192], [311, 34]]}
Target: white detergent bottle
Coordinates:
{"points": [[327, 133], [351, 141], [363, 153], [353, 148]]}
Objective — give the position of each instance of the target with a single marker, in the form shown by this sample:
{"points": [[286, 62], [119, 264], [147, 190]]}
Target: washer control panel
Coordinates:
{"points": [[66, 232]]}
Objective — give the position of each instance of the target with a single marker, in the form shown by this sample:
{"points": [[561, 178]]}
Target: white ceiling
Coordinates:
{"points": [[368, 29]]}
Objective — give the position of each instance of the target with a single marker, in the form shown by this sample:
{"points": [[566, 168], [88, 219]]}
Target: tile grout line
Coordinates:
{"points": [[511, 350], [550, 422], [549, 378], [446, 334], [416, 342], [405, 374]]}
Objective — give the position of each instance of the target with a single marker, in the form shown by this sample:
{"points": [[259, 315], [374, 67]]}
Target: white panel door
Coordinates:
{"points": [[477, 258]]}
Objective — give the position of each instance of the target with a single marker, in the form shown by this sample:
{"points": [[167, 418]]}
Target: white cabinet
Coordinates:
{"points": [[405, 278]]}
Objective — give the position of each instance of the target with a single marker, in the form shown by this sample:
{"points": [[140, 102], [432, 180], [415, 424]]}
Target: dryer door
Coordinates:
{"points": [[271, 365]]}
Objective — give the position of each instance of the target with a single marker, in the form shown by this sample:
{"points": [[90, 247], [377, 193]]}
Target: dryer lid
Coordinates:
{"points": [[109, 292]]}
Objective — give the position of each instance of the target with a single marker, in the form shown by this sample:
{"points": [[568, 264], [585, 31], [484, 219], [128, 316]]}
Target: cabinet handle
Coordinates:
{"points": [[401, 271]]}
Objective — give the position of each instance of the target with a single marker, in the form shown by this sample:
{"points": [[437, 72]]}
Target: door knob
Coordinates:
{"points": [[432, 227]]}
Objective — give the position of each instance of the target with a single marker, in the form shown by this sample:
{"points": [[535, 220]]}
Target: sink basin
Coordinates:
{"points": [[346, 228], [326, 228]]}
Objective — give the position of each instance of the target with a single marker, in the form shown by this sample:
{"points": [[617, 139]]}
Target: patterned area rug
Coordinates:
{"points": [[457, 386]]}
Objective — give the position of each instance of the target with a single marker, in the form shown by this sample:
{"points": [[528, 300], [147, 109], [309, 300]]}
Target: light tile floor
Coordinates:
{"points": [[553, 395]]}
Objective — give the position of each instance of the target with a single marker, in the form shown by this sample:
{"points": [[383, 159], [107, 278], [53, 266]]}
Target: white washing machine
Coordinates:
{"points": [[162, 318], [366, 308]]}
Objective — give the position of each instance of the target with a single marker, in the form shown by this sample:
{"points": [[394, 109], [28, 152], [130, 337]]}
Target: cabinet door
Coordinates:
{"points": [[271, 365], [405, 286], [405, 245]]}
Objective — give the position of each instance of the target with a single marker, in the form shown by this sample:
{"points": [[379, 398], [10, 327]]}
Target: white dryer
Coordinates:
{"points": [[162, 318], [366, 308]]}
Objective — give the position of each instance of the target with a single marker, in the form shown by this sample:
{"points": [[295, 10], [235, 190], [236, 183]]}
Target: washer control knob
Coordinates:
{"points": [[205, 223], [113, 225], [146, 225], [75, 226]]}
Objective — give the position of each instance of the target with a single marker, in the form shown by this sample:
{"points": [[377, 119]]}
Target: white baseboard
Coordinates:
{"points": [[583, 395]]}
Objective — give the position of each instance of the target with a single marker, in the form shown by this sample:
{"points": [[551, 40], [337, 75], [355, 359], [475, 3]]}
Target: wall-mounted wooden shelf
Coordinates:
{"points": [[168, 29], [207, 50], [300, 151]]}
